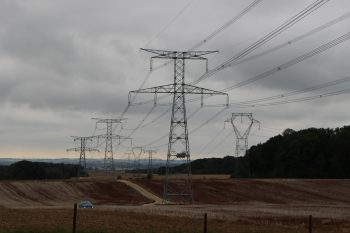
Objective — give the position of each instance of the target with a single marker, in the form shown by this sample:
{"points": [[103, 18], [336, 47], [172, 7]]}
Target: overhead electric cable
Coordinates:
{"points": [[226, 25], [213, 139], [280, 46], [294, 40], [296, 92], [217, 31], [308, 98], [220, 142], [292, 62], [170, 23], [283, 27], [197, 128]]}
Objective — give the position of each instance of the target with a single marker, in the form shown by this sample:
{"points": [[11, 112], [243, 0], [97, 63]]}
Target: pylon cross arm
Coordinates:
{"points": [[114, 136], [172, 89], [100, 120], [79, 149], [178, 54], [159, 89], [73, 149], [189, 89]]}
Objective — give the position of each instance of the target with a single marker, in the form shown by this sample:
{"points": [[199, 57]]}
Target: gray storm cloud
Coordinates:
{"points": [[63, 62]]}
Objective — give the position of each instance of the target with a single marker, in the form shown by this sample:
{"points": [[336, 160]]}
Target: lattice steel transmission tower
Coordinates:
{"points": [[242, 139], [82, 149], [129, 161], [178, 146], [108, 164], [137, 151], [150, 159]]}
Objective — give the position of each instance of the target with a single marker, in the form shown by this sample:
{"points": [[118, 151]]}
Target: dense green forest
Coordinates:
{"points": [[26, 170], [308, 153]]}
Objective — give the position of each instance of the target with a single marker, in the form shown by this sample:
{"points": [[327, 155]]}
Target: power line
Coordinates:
{"points": [[170, 23], [282, 45], [220, 143], [303, 99], [227, 24], [288, 64], [152, 121], [295, 92], [213, 139], [292, 62], [197, 128], [283, 27]]}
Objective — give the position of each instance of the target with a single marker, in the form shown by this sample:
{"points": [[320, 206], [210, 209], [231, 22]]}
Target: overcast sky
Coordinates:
{"points": [[64, 62]]}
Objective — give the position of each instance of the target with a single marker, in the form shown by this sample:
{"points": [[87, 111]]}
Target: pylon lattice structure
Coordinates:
{"points": [[108, 164], [178, 146], [82, 149], [129, 163], [150, 159], [137, 151], [242, 137]]}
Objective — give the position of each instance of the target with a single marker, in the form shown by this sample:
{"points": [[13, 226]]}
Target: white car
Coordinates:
{"points": [[86, 205]]}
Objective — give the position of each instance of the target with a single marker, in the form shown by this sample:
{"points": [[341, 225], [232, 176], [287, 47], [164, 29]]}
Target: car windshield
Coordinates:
{"points": [[86, 202]]}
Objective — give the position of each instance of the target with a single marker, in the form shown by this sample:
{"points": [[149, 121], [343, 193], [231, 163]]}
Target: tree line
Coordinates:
{"points": [[27, 170], [307, 153]]}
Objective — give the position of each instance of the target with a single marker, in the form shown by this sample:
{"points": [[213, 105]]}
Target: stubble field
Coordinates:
{"points": [[240, 206]]}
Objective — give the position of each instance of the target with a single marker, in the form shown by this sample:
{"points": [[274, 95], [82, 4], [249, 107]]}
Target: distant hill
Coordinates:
{"points": [[308, 153], [92, 164], [26, 170]]}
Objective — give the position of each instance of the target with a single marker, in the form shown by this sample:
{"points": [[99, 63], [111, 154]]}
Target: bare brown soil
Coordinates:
{"points": [[233, 205], [264, 191], [23, 194]]}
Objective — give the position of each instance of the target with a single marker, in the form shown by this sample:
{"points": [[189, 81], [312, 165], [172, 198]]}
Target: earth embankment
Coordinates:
{"points": [[62, 193]]}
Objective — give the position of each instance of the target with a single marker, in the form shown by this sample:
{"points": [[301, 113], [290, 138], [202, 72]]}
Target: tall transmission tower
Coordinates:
{"points": [[178, 146], [108, 164], [82, 149], [242, 134]]}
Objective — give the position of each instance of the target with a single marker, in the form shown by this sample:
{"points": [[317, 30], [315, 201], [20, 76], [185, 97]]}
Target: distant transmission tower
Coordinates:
{"points": [[242, 139], [137, 151], [150, 159], [178, 146], [129, 161], [82, 149], [108, 164]]}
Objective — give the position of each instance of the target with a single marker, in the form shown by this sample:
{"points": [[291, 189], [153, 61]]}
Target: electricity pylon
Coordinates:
{"points": [[150, 158], [137, 158], [82, 149], [178, 146], [108, 164], [242, 139], [129, 163]]}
